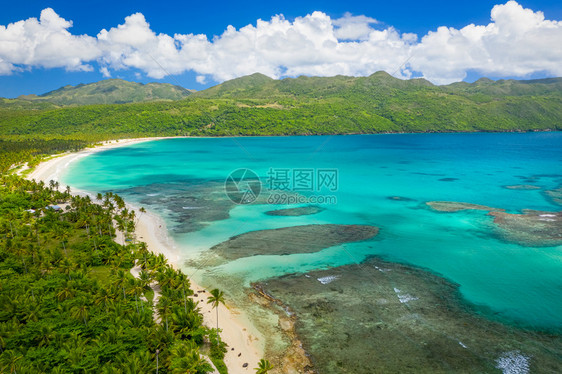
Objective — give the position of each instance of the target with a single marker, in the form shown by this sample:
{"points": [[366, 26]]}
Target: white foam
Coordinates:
{"points": [[404, 298], [190, 207], [152, 194], [547, 215], [327, 279], [513, 362], [381, 269]]}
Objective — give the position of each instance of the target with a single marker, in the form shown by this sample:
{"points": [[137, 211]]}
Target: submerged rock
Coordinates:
{"points": [[289, 240], [531, 228], [405, 320], [454, 206], [399, 198], [555, 195], [293, 212], [522, 187]]}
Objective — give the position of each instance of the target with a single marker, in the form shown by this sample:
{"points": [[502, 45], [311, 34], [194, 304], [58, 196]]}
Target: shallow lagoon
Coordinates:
{"points": [[383, 181]]}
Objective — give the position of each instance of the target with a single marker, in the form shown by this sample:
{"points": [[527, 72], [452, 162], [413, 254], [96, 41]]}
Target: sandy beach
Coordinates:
{"points": [[245, 343]]}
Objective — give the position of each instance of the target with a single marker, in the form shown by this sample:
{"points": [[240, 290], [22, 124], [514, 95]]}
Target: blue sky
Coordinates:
{"points": [[212, 19]]}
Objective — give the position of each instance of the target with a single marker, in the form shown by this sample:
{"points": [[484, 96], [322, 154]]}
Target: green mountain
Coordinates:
{"points": [[510, 87], [377, 85], [110, 91], [258, 105]]}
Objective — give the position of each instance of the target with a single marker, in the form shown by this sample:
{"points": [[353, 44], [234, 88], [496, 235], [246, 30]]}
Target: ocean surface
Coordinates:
{"points": [[379, 180]]}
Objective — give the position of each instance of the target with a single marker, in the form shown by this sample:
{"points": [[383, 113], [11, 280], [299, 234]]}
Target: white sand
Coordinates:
{"points": [[237, 331]]}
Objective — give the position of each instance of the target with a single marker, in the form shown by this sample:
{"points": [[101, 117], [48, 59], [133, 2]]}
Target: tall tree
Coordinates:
{"points": [[216, 298]]}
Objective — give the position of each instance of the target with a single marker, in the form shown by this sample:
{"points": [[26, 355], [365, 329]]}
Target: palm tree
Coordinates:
{"points": [[185, 358], [137, 288], [104, 296], [66, 267], [143, 252], [81, 312], [4, 331], [11, 359], [121, 280], [165, 308], [216, 298], [264, 366], [46, 334], [62, 234], [65, 293], [31, 311]]}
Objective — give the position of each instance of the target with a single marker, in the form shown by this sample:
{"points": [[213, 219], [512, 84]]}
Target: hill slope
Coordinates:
{"points": [[379, 84], [110, 91], [258, 105]]}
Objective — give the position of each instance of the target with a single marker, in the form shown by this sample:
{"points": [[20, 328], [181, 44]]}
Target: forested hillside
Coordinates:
{"points": [[109, 91]]}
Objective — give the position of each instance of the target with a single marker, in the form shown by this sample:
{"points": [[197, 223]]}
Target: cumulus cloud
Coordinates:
{"points": [[45, 43], [516, 42], [353, 27]]}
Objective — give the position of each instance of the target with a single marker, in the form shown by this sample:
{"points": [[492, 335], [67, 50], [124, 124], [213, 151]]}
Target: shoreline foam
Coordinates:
{"points": [[237, 330]]}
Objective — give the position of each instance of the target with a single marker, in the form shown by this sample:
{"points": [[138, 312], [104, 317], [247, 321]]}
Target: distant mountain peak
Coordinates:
{"points": [[111, 91], [484, 80], [381, 74]]}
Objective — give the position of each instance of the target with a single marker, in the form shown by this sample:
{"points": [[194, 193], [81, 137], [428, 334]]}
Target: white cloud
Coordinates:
{"points": [[105, 72], [517, 42], [45, 43], [201, 79], [353, 27]]}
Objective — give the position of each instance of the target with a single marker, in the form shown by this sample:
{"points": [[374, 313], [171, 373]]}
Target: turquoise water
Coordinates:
{"points": [[517, 283]]}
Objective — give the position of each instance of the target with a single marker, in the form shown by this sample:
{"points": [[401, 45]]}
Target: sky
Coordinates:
{"points": [[49, 44]]}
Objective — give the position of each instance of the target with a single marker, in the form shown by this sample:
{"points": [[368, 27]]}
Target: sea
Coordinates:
{"points": [[209, 190]]}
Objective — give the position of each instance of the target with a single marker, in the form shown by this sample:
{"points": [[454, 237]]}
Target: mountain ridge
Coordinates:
{"points": [[247, 87], [258, 105], [110, 91]]}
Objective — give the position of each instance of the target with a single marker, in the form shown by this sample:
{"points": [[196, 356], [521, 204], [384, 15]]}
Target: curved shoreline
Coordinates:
{"points": [[237, 330]]}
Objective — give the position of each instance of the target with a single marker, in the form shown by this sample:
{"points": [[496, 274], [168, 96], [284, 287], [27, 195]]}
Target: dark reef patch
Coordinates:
{"points": [[522, 187], [400, 198], [454, 206], [189, 204], [381, 317], [530, 228], [293, 212], [554, 195], [289, 240]]}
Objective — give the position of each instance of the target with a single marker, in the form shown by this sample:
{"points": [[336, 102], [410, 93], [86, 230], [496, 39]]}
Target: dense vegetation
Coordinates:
{"points": [[110, 91], [16, 151], [257, 105], [69, 301]]}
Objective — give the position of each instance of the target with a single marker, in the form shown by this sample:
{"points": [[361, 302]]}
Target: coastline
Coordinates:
{"points": [[245, 342], [152, 232]]}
